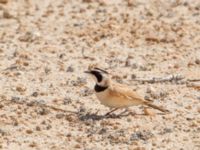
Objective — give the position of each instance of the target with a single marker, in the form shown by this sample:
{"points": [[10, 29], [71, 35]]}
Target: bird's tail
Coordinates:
{"points": [[156, 107]]}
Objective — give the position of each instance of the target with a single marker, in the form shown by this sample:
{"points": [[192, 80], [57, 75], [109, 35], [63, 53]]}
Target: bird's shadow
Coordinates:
{"points": [[96, 117]]}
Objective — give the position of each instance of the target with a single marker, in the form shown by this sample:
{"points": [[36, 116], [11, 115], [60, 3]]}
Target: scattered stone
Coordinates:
{"points": [[60, 115], [20, 88], [69, 118], [36, 102], [86, 92], [189, 118], [79, 82], [197, 61], [198, 109], [2, 132], [139, 148], [42, 111], [166, 130], [15, 99], [155, 94], [70, 69], [47, 70], [33, 144], [152, 92], [163, 94], [37, 128], [77, 146], [6, 14], [82, 109], [144, 135], [128, 62], [31, 103], [134, 66], [29, 131], [48, 127], [27, 37], [3, 1], [15, 123], [150, 89], [61, 56], [34, 94], [40, 102], [190, 64], [102, 131], [1, 106], [67, 101], [129, 119], [143, 68], [133, 76]]}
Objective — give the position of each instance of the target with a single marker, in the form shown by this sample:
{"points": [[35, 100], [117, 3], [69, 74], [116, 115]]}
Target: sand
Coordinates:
{"points": [[45, 46]]}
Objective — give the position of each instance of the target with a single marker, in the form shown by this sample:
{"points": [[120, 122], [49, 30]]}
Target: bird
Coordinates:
{"points": [[115, 95]]}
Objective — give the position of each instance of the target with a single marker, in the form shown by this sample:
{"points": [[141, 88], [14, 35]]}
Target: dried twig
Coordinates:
{"points": [[58, 109], [195, 86], [40, 105], [193, 80], [171, 78], [12, 67]]}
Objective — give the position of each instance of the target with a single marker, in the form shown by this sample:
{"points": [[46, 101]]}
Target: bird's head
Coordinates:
{"points": [[100, 76]]}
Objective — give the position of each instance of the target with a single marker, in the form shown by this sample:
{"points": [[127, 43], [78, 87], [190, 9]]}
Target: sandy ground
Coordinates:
{"points": [[46, 45]]}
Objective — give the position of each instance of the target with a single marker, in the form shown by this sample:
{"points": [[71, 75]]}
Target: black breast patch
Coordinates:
{"points": [[99, 88]]}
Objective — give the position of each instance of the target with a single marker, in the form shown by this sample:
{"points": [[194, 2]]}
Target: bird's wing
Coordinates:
{"points": [[123, 91]]}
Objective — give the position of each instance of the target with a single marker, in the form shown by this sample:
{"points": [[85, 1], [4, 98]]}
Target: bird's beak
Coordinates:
{"points": [[87, 71]]}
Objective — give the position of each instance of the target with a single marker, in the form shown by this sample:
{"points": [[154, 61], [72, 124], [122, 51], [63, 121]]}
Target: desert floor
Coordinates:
{"points": [[48, 103]]}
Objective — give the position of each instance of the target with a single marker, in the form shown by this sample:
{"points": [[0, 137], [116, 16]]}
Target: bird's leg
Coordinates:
{"points": [[111, 111], [96, 113], [126, 109]]}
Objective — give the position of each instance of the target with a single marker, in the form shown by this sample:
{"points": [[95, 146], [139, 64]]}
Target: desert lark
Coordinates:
{"points": [[115, 95]]}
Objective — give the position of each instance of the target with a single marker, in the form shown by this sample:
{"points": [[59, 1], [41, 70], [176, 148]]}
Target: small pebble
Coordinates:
{"points": [[42, 111], [3, 1], [6, 14], [1, 106], [20, 89], [37, 128], [134, 66], [70, 69], [15, 99], [150, 89], [33, 144], [198, 109], [2, 132], [133, 76], [29, 131], [60, 115], [139, 148], [35, 94], [102, 131], [67, 101], [48, 127], [197, 61]]}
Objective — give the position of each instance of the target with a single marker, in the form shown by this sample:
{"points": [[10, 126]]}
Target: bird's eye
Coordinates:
{"points": [[98, 75]]}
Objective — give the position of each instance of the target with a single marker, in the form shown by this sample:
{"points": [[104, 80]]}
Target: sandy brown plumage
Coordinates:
{"points": [[123, 96], [115, 95]]}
